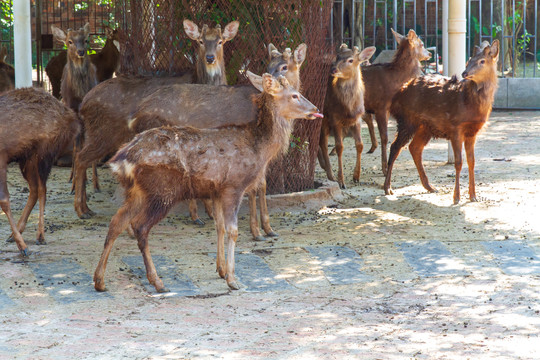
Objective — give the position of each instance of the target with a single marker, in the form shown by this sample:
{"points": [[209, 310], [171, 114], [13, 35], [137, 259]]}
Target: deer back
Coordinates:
{"points": [[210, 64]]}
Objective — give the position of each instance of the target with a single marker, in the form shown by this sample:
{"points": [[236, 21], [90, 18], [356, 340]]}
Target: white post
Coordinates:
{"points": [[22, 30], [445, 37], [457, 28]]}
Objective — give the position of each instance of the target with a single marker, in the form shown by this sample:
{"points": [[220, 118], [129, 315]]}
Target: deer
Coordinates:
{"points": [[106, 62], [7, 73], [34, 127], [107, 110], [383, 81], [164, 106], [343, 106], [455, 109], [165, 165]]}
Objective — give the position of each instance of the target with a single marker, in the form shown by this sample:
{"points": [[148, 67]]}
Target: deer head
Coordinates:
{"points": [[347, 63], [482, 67], [76, 41], [287, 64], [420, 51], [211, 40]]}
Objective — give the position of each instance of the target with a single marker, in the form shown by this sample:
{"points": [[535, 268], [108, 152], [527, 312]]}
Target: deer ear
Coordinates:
{"points": [[270, 84], [366, 54], [412, 35], [255, 80], [230, 30], [494, 49], [58, 33], [397, 36], [273, 51], [191, 29], [300, 54], [86, 29]]}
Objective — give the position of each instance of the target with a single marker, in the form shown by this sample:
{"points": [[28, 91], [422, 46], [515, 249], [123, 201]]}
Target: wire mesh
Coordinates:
{"points": [[156, 44]]}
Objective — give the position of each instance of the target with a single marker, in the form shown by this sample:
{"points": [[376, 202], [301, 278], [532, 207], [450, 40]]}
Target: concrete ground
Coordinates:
{"points": [[406, 276]]}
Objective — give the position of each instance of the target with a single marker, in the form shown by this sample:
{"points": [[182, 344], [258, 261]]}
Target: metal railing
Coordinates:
{"points": [[514, 23]]}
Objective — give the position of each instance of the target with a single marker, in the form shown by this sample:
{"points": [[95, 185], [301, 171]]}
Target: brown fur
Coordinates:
{"points": [[7, 73], [34, 126], [163, 166], [383, 81], [438, 107], [343, 106]]}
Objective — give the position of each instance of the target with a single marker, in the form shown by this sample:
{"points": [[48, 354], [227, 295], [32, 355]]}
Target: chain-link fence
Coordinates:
{"points": [[155, 44]]}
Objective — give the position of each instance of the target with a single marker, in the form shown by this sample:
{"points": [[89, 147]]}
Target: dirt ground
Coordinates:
{"points": [[466, 301]]}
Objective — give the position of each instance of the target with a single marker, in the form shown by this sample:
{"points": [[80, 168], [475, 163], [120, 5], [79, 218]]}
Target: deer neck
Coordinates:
{"points": [[482, 93], [211, 74], [80, 76], [405, 62], [271, 131], [350, 93]]}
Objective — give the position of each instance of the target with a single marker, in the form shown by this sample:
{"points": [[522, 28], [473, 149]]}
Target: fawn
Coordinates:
{"points": [[34, 127], [382, 82], [439, 107], [165, 165], [343, 106]]}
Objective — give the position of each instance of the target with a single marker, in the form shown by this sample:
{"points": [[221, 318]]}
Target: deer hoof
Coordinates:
{"points": [[41, 241], [99, 286], [342, 186], [25, 253], [10, 239], [272, 234], [87, 215], [198, 222], [259, 238], [97, 190], [163, 290], [221, 272], [233, 285], [372, 150]]}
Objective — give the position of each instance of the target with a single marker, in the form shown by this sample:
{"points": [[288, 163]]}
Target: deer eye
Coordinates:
{"points": [[284, 68], [350, 61], [201, 42], [482, 62], [70, 42], [220, 42], [295, 96]]}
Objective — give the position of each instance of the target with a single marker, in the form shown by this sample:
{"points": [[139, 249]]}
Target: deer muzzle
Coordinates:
{"points": [[210, 59]]}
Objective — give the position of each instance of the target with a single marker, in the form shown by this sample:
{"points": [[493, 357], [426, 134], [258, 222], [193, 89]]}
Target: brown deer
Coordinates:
{"points": [[287, 64], [439, 107], [382, 82], [165, 165], [106, 61], [34, 127], [7, 72], [210, 66], [343, 106], [164, 106], [107, 109]]}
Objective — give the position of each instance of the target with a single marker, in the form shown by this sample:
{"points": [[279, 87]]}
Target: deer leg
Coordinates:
{"points": [[402, 137], [382, 124], [357, 135], [118, 224], [208, 207], [6, 208], [220, 229], [30, 173], [265, 216], [469, 151], [194, 213], [253, 220], [456, 146], [322, 155], [339, 151], [42, 193], [95, 179], [416, 147], [81, 164], [368, 119], [231, 206]]}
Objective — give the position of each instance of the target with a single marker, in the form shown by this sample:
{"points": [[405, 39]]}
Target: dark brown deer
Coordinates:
{"points": [[439, 107], [210, 64], [107, 110], [167, 106], [165, 165], [382, 82], [106, 61], [7, 73], [343, 106], [34, 127]]}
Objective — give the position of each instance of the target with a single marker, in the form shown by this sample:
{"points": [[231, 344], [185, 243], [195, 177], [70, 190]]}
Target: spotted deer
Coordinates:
{"points": [[34, 127], [343, 106], [165, 165], [439, 107]]}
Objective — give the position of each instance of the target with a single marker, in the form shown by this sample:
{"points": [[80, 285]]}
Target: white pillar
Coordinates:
{"points": [[445, 37], [22, 31], [457, 29]]}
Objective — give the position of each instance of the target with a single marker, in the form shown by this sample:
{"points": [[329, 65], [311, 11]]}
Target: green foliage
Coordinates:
{"points": [[299, 144]]}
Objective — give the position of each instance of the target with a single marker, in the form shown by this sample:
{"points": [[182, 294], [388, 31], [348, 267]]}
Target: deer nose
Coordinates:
{"points": [[334, 71], [464, 74], [80, 52], [210, 59]]}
